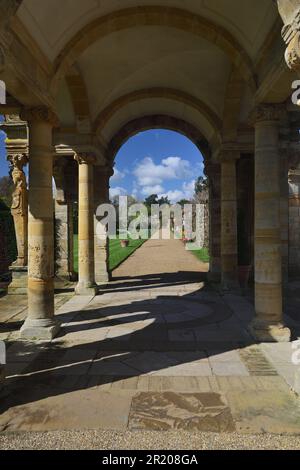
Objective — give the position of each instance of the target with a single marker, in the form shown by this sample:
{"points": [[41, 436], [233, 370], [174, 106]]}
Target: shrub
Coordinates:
{"points": [[7, 223]]}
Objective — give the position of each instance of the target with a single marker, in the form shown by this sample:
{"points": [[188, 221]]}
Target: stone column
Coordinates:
{"points": [[101, 196], [284, 215], [86, 263], [64, 259], [268, 326], [229, 252], [40, 323], [213, 172]]}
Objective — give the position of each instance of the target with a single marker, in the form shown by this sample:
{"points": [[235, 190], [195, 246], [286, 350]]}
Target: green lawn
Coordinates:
{"points": [[202, 255], [117, 254]]}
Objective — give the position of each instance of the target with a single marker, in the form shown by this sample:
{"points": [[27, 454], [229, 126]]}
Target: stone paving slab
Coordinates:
{"points": [[190, 412], [230, 369], [146, 358], [87, 409], [273, 411], [160, 404]]}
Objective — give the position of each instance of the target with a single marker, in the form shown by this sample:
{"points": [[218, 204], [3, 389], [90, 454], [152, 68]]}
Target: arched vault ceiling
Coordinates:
{"points": [[53, 23], [153, 106], [153, 93], [114, 66]]}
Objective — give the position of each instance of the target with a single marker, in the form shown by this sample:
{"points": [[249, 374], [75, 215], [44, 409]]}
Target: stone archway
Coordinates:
{"points": [[158, 15]]}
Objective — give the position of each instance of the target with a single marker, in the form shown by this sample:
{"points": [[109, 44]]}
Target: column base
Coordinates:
{"points": [[230, 285], [61, 284], [39, 330], [19, 283], [83, 289], [269, 333], [103, 279]]}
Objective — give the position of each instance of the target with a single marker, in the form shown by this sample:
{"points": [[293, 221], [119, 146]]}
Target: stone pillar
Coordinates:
{"points": [[101, 196], [294, 223], [214, 174], [65, 182], [64, 258], [229, 251], [267, 325], [40, 323], [284, 215], [86, 263]]}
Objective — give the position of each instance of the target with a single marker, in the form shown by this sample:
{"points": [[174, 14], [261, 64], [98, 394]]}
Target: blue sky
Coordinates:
{"points": [[157, 162], [153, 162]]}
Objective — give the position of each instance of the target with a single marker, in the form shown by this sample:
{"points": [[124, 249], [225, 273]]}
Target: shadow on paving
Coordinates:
{"points": [[172, 331], [180, 278]]}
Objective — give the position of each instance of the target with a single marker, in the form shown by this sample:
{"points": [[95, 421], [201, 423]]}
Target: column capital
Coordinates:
{"points": [[39, 114], [268, 112], [85, 158], [17, 160]]}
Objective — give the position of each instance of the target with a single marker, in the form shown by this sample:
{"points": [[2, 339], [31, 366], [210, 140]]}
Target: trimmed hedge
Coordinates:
{"points": [[7, 223]]}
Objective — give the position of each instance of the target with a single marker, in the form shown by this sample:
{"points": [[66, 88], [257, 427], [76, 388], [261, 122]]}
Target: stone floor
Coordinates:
{"points": [[154, 351]]}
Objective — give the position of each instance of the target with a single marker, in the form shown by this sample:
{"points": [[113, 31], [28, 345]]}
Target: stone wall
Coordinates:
{"points": [[245, 210], [294, 223], [206, 225]]}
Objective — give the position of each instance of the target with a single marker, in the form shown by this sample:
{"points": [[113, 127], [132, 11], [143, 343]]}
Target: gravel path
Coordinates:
{"points": [[157, 257], [110, 440]]}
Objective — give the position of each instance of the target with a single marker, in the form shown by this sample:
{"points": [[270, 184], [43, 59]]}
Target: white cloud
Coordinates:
{"points": [[117, 176], [148, 173], [148, 190], [173, 196], [181, 168], [187, 192], [117, 191], [189, 188]]}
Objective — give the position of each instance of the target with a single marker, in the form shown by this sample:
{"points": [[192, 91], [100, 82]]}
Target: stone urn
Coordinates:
{"points": [[124, 243]]}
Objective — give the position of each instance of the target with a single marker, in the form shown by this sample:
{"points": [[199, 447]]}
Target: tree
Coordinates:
{"points": [[182, 202], [164, 200], [201, 185], [153, 199], [201, 190], [6, 189]]}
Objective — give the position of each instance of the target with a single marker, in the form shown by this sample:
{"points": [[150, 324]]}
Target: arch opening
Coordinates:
{"points": [[158, 166]]}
